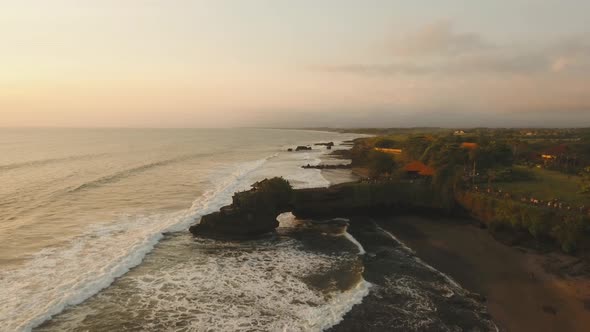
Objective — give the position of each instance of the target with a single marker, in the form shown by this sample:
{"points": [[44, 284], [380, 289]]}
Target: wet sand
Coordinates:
{"points": [[521, 294]]}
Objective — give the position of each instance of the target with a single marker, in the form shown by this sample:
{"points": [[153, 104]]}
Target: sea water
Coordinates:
{"points": [[93, 233]]}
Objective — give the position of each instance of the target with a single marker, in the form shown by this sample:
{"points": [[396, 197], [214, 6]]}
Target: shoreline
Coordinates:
{"points": [[525, 289], [406, 293], [522, 295]]}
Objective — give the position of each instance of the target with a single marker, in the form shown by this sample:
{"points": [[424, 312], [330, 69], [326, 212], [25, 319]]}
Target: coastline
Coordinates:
{"points": [[521, 294], [406, 294], [522, 288], [501, 288]]}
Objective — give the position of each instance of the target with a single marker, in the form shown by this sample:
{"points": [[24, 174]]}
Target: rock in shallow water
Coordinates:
{"points": [[235, 224], [251, 213]]}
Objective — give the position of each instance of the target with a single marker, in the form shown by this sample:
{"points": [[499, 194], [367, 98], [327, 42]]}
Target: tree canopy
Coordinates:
{"points": [[381, 163]]}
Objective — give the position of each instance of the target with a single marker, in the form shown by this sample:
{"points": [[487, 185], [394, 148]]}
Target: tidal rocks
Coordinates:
{"points": [[251, 213], [328, 145], [303, 148], [235, 223], [325, 144], [341, 166]]}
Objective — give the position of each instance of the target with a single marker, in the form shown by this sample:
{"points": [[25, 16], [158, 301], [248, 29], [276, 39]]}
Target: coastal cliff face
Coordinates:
{"points": [[254, 212], [364, 198], [567, 229]]}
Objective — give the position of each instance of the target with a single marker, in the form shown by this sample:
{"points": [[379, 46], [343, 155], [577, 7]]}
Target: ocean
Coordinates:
{"points": [[93, 232]]}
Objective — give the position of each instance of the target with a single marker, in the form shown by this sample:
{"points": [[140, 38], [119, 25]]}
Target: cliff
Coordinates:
{"points": [[364, 198], [254, 212], [568, 229]]}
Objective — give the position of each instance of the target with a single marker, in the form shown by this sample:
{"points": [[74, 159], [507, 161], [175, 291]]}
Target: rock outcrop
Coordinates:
{"points": [[254, 212], [303, 148], [322, 166], [325, 144], [251, 213]]}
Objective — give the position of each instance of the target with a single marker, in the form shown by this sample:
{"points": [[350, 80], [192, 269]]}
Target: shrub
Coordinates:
{"points": [[380, 163], [513, 175], [386, 143], [269, 195]]}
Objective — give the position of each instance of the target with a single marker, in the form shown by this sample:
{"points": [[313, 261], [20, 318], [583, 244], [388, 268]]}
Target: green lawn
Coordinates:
{"points": [[548, 185]]}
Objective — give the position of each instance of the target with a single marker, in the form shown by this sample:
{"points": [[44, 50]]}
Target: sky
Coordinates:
{"points": [[298, 63]]}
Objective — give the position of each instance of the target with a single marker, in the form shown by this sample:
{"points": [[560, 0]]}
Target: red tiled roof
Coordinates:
{"points": [[427, 171], [468, 145], [420, 168]]}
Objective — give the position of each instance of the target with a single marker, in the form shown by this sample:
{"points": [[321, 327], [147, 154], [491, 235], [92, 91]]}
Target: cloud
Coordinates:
{"points": [[437, 49], [561, 63], [439, 38], [435, 72], [497, 63]]}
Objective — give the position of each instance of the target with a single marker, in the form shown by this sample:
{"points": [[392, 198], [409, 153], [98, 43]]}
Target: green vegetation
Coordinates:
{"points": [[570, 231], [269, 195], [386, 143], [545, 185], [530, 180], [380, 163], [585, 182]]}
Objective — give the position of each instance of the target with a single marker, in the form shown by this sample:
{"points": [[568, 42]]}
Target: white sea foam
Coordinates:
{"points": [[417, 259], [287, 220], [416, 305], [353, 240], [235, 287]]}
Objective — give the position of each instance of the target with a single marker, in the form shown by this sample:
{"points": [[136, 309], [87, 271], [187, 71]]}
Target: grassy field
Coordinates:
{"points": [[548, 185]]}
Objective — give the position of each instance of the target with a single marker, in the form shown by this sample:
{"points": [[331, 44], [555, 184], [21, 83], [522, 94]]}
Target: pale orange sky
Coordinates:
{"points": [[285, 63]]}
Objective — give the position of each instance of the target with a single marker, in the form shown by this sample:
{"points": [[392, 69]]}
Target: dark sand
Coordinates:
{"points": [[521, 294]]}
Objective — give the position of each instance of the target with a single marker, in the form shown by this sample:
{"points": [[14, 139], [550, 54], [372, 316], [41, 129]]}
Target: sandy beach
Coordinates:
{"points": [[522, 295]]}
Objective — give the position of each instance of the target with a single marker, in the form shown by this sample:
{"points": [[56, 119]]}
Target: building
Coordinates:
{"points": [[417, 169], [389, 151], [555, 152], [469, 146], [559, 155]]}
